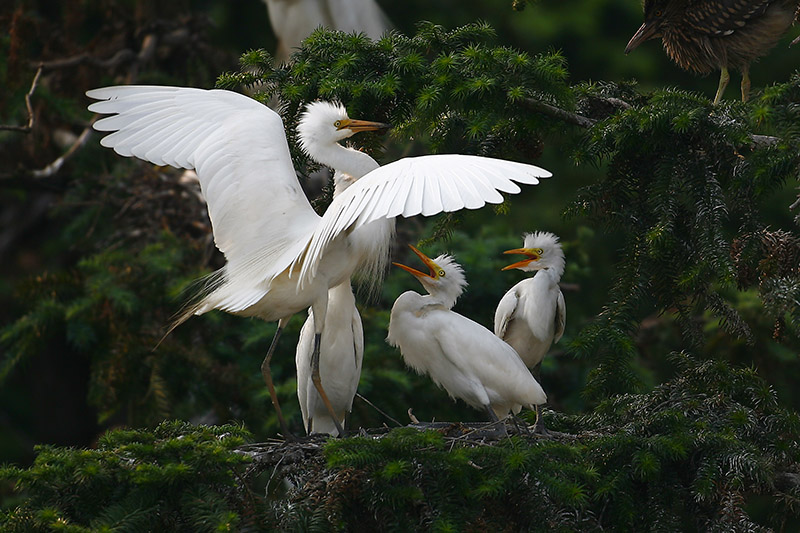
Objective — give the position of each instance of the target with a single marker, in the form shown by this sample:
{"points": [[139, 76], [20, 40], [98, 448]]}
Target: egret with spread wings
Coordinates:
{"points": [[460, 355], [281, 257], [532, 314]]}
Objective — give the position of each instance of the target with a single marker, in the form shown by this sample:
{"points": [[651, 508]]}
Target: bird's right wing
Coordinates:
{"points": [[424, 185], [238, 148], [505, 312]]}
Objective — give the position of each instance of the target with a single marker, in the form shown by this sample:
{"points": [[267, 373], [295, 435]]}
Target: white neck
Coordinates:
{"points": [[345, 160]]}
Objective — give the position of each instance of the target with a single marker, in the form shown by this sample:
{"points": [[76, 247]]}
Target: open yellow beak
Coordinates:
{"points": [[532, 256], [363, 125], [434, 268]]}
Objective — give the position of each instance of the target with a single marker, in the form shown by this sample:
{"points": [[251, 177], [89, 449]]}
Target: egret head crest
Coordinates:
{"points": [[445, 280], [543, 250]]}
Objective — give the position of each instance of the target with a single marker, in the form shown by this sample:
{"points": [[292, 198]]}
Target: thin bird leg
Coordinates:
{"points": [[265, 371], [318, 383], [538, 426], [500, 428], [724, 78], [745, 84]]}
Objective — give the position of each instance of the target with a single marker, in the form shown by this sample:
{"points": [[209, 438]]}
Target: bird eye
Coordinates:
{"points": [[658, 13], [538, 251], [440, 273], [337, 123]]}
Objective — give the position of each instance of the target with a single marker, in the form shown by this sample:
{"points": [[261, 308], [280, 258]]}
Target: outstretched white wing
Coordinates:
{"points": [[424, 185], [239, 150]]}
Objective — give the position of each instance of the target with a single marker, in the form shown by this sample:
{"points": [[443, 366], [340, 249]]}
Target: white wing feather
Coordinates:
{"points": [[411, 186], [505, 311], [258, 211], [561, 317]]}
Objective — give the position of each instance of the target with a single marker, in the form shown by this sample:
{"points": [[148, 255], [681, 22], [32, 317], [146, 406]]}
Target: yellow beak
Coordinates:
{"points": [[362, 125], [425, 259], [532, 256]]}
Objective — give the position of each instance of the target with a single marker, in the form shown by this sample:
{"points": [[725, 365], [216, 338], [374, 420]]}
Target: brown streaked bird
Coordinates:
{"points": [[705, 35]]}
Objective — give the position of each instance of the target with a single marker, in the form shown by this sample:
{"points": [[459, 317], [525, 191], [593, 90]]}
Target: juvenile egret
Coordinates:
{"points": [[281, 257], [460, 355], [708, 35], [532, 314]]}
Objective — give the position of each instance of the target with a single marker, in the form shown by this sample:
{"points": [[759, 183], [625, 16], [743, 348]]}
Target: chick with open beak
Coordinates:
{"points": [[460, 355], [532, 314]]}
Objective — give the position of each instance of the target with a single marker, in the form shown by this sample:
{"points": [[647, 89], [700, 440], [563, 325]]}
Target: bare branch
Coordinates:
{"points": [[56, 165], [120, 57], [27, 128], [552, 111]]}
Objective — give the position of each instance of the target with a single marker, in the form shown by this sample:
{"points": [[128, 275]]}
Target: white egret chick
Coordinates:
{"points": [[281, 257], [532, 314], [460, 355]]}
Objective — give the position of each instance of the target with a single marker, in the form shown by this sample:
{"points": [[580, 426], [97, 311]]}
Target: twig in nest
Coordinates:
{"points": [[379, 410], [28, 127]]}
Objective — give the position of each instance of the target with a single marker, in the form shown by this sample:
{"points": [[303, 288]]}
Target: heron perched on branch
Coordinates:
{"points": [[460, 355], [531, 316], [708, 35], [281, 257]]}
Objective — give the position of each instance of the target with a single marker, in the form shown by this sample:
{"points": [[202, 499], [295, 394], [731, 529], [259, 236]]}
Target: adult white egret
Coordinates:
{"points": [[532, 314], [460, 355], [281, 257]]}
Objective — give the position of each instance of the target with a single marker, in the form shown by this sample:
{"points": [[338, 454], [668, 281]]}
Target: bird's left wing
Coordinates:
{"points": [[561, 317], [237, 146], [505, 312], [423, 185]]}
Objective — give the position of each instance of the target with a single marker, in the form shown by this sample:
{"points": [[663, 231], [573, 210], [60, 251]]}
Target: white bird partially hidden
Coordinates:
{"points": [[460, 355], [294, 20], [281, 257], [532, 314], [340, 358]]}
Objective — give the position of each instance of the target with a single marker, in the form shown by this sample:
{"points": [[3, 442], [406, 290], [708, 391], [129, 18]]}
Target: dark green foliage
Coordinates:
{"points": [[682, 180], [458, 87], [176, 478], [693, 454]]}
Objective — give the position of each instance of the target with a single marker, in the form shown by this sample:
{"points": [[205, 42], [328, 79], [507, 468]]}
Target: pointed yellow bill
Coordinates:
{"points": [[533, 255], [433, 267]]}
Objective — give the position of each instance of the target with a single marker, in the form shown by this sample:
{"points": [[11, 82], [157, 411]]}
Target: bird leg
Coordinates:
{"points": [[267, 374], [538, 426], [724, 78], [500, 427], [318, 383], [745, 84]]}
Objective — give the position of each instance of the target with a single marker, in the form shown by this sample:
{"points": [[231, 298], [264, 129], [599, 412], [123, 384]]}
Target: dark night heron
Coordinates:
{"points": [[705, 35]]}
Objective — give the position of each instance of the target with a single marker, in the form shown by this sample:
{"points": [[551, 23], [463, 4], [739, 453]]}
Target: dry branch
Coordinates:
{"points": [[28, 127]]}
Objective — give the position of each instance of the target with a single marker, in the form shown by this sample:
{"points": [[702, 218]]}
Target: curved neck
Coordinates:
{"points": [[345, 160], [446, 299]]}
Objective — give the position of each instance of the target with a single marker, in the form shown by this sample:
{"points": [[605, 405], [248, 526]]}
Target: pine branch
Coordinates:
{"points": [[555, 112]]}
